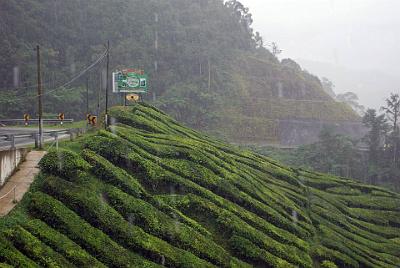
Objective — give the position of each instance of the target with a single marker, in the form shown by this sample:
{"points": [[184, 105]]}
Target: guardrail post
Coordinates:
{"points": [[56, 138], [12, 139], [35, 137], [71, 134]]}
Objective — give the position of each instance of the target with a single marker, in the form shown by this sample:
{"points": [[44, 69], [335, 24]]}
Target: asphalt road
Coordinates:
{"points": [[20, 142]]}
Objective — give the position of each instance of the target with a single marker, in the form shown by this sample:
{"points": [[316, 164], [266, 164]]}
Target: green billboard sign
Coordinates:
{"points": [[130, 81]]}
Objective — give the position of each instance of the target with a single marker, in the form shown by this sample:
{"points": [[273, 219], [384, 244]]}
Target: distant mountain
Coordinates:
{"points": [[372, 87]]}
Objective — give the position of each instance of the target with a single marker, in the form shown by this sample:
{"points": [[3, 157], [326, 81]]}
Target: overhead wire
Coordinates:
{"points": [[77, 76], [73, 79], [25, 87]]}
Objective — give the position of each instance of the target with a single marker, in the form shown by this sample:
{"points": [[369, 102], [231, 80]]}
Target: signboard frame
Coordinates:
{"points": [[130, 81]]}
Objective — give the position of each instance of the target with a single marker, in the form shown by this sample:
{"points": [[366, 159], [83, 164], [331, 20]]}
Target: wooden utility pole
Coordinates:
{"points": [[107, 82], [87, 96], [100, 88], [40, 104], [156, 55], [209, 74]]}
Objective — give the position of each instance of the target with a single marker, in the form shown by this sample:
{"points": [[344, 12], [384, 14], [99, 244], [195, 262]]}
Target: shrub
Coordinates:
{"points": [[101, 215], [35, 249], [10, 255], [143, 162], [259, 257], [118, 177], [231, 224], [328, 264], [153, 174], [62, 244], [322, 253], [157, 223], [56, 215], [63, 163]]}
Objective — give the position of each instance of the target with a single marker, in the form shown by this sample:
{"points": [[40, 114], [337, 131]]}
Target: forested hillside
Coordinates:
{"points": [[151, 192], [207, 66]]}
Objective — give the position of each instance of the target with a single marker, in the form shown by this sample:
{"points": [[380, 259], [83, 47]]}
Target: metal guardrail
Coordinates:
{"points": [[35, 136], [4, 121]]}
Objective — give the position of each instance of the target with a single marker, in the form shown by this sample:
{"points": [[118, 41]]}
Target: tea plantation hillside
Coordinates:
{"points": [[153, 193]]}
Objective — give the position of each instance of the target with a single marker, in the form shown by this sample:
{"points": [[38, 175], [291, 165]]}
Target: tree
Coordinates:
{"points": [[188, 104], [392, 111], [376, 136], [291, 64], [351, 99], [241, 12], [333, 153], [328, 86], [259, 40], [243, 17]]}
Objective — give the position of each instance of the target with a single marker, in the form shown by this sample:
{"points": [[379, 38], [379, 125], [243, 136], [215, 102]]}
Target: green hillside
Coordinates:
{"points": [[151, 192], [213, 69]]}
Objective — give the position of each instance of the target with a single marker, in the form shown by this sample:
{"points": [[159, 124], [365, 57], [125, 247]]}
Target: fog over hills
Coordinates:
{"points": [[360, 35], [371, 86]]}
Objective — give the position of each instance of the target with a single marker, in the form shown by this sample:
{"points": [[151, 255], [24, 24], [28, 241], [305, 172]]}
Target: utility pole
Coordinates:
{"points": [[275, 49], [209, 74], [87, 96], [107, 82], [156, 52], [99, 91], [40, 104]]}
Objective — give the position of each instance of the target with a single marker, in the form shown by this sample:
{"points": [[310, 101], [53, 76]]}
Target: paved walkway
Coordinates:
{"points": [[20, 182]]}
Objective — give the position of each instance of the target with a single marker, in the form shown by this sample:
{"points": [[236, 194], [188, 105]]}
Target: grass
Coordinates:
{"points": [[152, 193]]}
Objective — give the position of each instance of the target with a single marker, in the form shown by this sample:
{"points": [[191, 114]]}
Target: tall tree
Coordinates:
{"points": [[392, 110], [376, 136], [328, 86], [351, 99]]}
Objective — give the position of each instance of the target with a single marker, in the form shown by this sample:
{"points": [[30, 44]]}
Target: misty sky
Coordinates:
{"points": [[353, 33], [356, 34]]}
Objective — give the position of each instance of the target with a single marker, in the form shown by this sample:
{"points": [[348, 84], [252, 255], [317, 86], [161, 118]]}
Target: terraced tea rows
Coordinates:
{"points": [[153, 193]]}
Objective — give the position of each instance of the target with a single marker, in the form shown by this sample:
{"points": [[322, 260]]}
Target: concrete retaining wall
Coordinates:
{"points": [[9, 161]]}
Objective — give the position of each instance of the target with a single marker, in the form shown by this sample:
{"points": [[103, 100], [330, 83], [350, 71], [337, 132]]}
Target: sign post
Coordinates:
{"points": [[61, 117], [27, 117]]}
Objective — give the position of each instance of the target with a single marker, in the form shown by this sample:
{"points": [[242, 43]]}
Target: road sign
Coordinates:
{"points": [[61, 116], [92, 119], [132, 97], [130, 81], [27, 117]]}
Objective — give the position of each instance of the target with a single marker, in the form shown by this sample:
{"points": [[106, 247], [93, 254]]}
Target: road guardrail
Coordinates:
{"points": [[23, 121], [12, 138]]}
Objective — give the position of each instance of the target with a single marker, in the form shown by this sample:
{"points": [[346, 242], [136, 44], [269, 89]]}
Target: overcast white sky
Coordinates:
{"points": [[358, 34]]}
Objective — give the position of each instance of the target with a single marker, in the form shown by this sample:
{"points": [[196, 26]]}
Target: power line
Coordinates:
{"points": [[76, 77], [26, 87], [79, 75]]}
